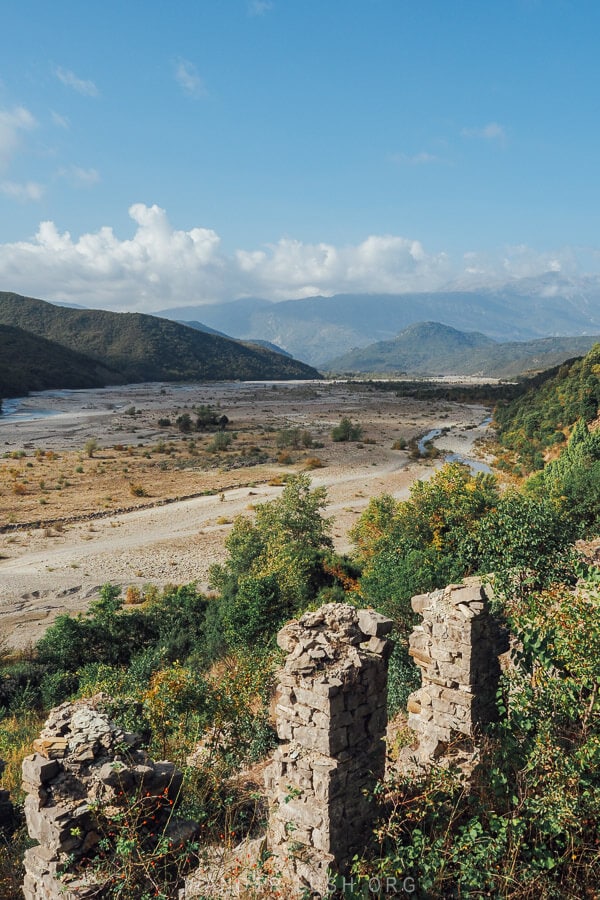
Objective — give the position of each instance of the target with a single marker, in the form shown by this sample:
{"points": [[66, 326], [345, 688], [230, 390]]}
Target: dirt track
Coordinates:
{"points": [[44, 571]]}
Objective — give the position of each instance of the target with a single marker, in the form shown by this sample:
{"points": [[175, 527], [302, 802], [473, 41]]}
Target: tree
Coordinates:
{"points": [[424, 542], [184, 423], [346, 431], [275, 565], [91, 445]]}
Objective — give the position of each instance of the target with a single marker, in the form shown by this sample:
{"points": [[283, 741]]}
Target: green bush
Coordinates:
{"points": [[346, 431]]}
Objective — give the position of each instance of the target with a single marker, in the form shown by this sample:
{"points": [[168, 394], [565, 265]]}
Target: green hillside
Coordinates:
{"points": [[32, 363], [429, 348], [545, 414], [139, 347]]}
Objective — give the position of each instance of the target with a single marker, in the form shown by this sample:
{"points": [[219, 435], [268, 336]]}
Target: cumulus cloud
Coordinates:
{"points": [[69, 79], [13, 122], [161, 266], [31, 190], [187, 77], [490, 132]]}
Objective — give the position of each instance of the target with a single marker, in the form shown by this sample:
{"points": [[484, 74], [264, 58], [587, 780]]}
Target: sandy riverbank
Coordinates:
{"points": [[48, 570]]}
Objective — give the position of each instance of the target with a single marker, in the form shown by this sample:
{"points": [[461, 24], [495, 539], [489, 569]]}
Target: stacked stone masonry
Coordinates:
{"points": [[83, 763], [456, 646], [331, 721]]}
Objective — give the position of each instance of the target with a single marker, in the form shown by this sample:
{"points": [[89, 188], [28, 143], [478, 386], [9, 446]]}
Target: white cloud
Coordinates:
{"points": [[490, 132], [69, 79], [12, 124], [186, 75], [31, 190], [259, 7], [80, 177], [160, 266]]}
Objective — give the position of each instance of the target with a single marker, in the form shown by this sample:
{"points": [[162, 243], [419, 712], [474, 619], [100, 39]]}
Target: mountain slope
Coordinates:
{"points": [[145, 348], [554, 402], [32, 363], [429, 348], [319, 329]]}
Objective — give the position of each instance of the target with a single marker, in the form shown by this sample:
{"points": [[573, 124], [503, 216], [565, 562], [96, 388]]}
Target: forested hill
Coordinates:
{"points": [[32, 363], [131, 347], [545, 414], [430, 348]]}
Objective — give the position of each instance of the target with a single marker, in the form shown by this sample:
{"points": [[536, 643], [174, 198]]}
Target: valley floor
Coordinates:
{"points": [[80, 520]]}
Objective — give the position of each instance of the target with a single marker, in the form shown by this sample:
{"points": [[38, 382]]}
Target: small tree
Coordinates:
{"points": [[184, 423], [346, 431], [91, 446]]}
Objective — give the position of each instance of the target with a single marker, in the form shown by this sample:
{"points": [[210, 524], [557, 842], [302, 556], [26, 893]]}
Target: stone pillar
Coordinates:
{"points": [[331, 721], [456, 647], [85, 768]]}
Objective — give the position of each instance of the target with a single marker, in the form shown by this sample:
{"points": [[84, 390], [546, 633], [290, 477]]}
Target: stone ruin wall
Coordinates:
{"points": [[456, 647], [82, 759], [331, 722]]}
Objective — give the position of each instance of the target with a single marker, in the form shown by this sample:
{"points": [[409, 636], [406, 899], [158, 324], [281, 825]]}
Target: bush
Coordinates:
{"points": [[221, 441], [346, 431]]}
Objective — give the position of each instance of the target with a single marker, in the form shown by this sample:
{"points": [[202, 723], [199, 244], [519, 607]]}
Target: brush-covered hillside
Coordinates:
{"points": [[542, 418], [430, 348], [32, 363], [137, 347]]}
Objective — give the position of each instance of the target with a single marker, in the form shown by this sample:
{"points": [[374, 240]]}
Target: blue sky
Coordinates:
{"points": [[157, 154]]}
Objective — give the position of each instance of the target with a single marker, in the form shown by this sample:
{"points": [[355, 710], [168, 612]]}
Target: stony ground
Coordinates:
{"points": [[99, 491]]}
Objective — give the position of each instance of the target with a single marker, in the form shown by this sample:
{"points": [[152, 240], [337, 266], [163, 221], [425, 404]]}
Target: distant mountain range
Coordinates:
{"points": [[47, 346], [429, 348], [250, 342], [319, 329]]}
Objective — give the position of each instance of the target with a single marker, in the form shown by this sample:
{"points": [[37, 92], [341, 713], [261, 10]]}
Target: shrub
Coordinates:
{"points": [[184, 423], [221, 441], [90, 447], [346, 431], [313, 462]]}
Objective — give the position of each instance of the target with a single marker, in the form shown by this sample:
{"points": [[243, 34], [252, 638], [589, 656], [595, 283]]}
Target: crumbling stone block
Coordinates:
{"points": [[456, 646], [84, 765], [331, 721]]}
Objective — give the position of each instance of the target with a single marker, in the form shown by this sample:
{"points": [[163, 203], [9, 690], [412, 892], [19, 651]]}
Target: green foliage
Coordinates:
{"points": [[528, 824], [573, 481], [276, 563], [91, 445], [535, 421], [184, 423], [167, 629], [220, 442], [208, 418], [56, 346], [525, 542], [424, 542], [346, 431]]}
